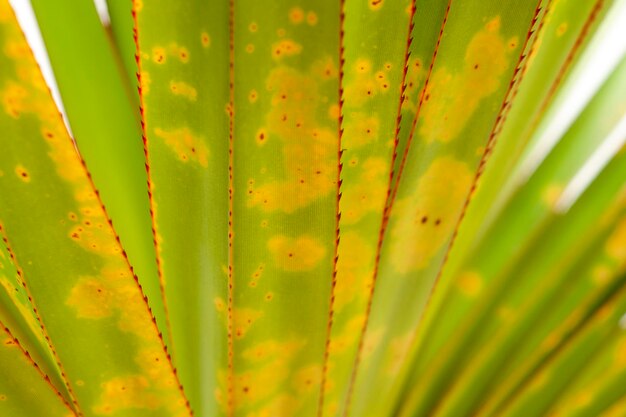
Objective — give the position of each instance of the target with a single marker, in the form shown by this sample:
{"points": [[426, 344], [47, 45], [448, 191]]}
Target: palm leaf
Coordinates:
{"points": [[332, 208]]}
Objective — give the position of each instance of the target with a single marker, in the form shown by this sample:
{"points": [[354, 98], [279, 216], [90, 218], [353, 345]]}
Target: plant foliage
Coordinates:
{"points": [[314, 208]]}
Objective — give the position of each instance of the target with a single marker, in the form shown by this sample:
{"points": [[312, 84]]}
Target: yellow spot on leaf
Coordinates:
{"points": [[470, 283], [616, 244], [360, 129], [159, 55], [311, 18], [91, 299], [551, 194], [363, 66], [353, 272], [259, 384], [376, 4], [367, 194], [296, 15], [13, 99], [183, 54], [285, 48], [253, 96], [620, 353], [145, 83], [450, 99], [243, 319], [295, 255], [333, 111], [307, 379], [220, 305], [271, 350], [186, 145], [309, 150], [423, 221], [183, 89], [205, 39], [22, 173], [261, 137], [324, 69], [398, 348], [123, 393]]}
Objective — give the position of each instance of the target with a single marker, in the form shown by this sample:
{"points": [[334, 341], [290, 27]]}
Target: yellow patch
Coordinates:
{"points": [[333, 112], [354, 268], [324, 69], [469, 283], [551, 194], [261, 137], [307, 379], [91, 299], [205, 39], [256, 275], [348, 336], [372, 340], [220, 305], [159, 55], [183, 89], [285, 48], [186, 145], [362, 66], [362, 84], [259, 384], [360, 129], [22, 173], [423, 221], [181, 52], [560, 31], [253, 96], [368, 194], [311, 160], [311, 18], [145, 83], [450, 99], [243, 319], [295, 255], [376, 4], [253, 27], [398, 348], [124, 393], [270, 350], [616, 244], [414, 79], [14, 98], [296, 15]]}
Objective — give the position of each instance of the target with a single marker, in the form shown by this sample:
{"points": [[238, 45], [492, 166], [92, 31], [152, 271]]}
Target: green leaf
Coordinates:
{"points": [[107, 131], [376, 69], [121, 33], [481, 295], [184, 93], [464, 100], [23, 381], [286, 143], [97, 321], [16, 312]]}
